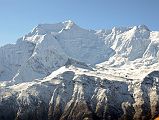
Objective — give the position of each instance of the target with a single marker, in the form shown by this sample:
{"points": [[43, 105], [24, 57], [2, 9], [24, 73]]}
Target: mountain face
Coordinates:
{"points": [[64, 72]]}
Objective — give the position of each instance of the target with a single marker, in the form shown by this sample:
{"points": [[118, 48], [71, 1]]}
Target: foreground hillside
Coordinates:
{"points": [[62, 71]]}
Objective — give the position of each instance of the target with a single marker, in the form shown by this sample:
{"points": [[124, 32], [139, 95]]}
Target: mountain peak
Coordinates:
{"points": [[68, 24], [48, 28], [68, 21], [45, 74], [143, 27]]}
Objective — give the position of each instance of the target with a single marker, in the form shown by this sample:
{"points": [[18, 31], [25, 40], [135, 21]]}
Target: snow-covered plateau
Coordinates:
{"points": [[64, 72]]}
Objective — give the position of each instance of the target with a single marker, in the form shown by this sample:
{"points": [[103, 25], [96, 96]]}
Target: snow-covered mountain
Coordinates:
{"points": [[62, 71]]}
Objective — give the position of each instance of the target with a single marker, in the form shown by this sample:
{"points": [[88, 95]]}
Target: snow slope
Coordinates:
{"points": [[62, 71]]}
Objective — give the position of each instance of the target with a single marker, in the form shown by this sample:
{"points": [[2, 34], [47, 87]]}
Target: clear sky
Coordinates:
{"points": [[18, 17]]}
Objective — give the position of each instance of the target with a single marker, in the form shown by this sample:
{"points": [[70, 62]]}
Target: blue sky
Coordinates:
{"points": [[18, 17]]}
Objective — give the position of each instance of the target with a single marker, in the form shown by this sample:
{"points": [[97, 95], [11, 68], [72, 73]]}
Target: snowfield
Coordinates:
{"points": [[62, 71]]}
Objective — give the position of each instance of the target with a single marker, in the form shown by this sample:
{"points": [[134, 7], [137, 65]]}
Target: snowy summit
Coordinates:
{"points": [[62, 71]]}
